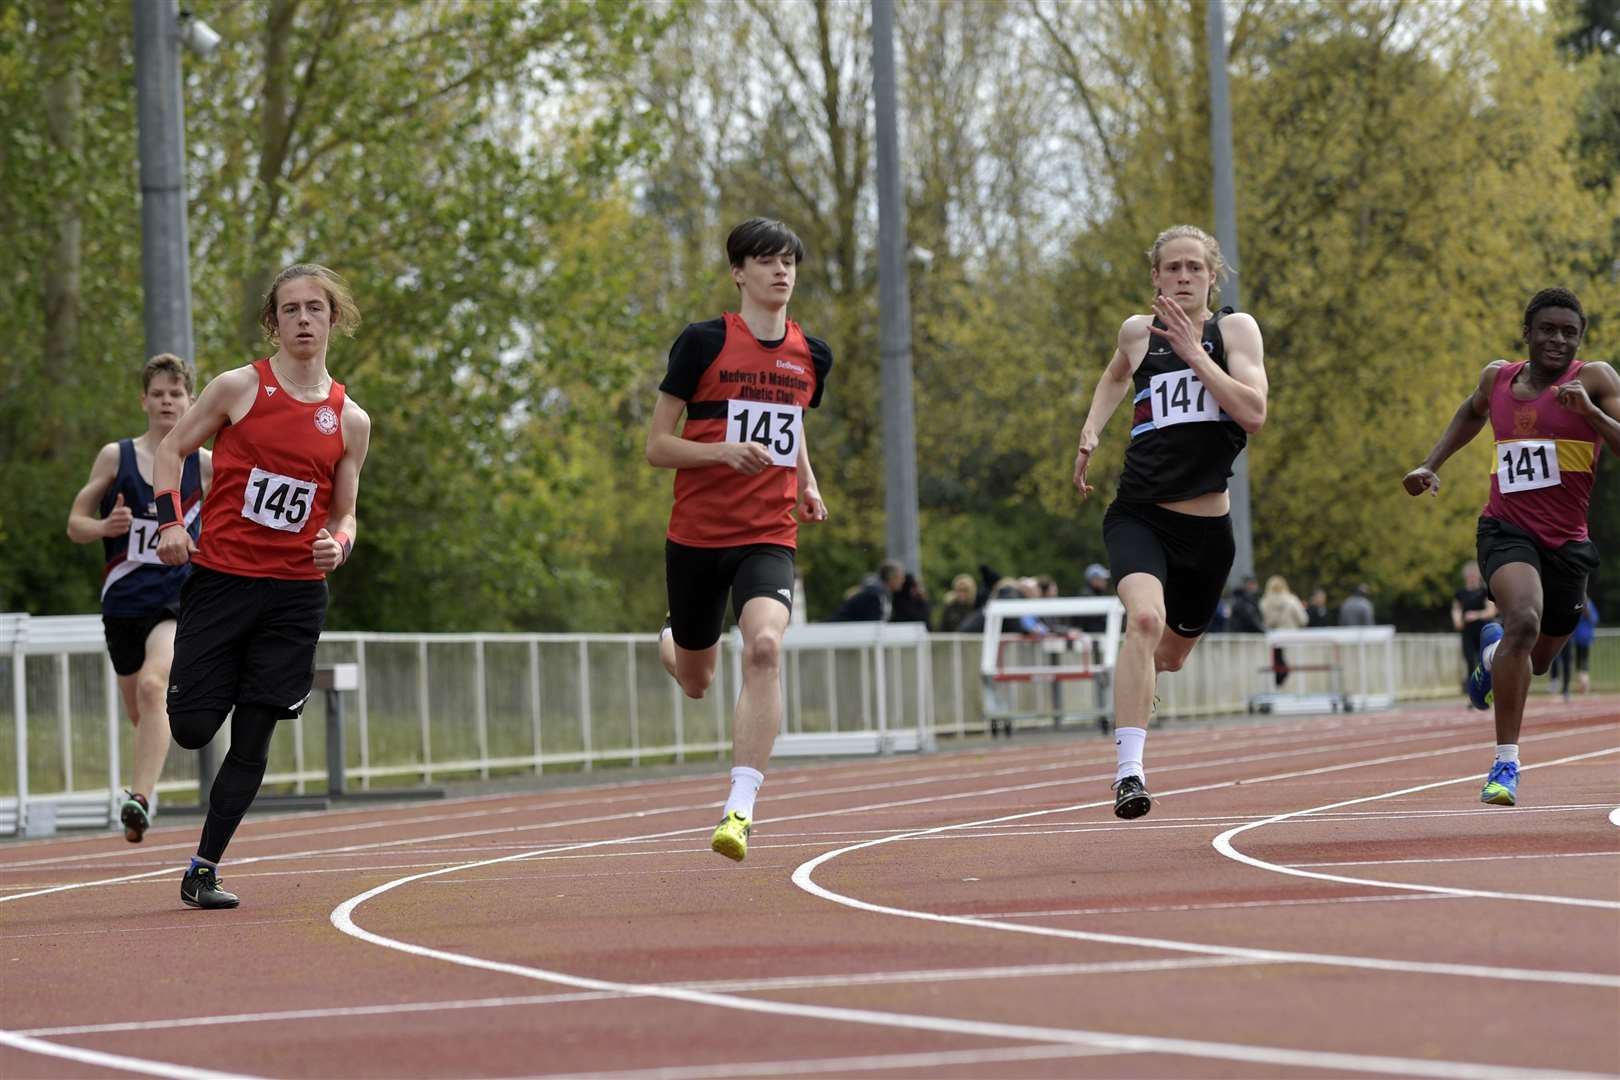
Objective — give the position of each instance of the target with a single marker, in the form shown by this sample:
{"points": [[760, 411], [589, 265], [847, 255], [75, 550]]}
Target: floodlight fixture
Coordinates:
{"points": [[197, 35]]}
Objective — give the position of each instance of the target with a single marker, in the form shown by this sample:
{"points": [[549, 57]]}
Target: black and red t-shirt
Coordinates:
{"points": [[738, 388], [273, 472]]}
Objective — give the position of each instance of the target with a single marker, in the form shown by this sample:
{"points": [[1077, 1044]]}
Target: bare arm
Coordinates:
{"points": [[328, 550], [1457, 614], [1112, 388], [1242, 387], [667, 450], [810, 507], [1595, 395], [1469, 418], [227, 398], [83, 524]]}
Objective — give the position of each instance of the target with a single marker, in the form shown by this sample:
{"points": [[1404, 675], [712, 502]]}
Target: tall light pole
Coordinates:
{"points": [[1220, 141], [160, 29], [902, 535]]}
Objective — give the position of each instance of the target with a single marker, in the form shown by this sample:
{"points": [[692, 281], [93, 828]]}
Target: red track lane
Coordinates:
{"points": [[970, 913]]}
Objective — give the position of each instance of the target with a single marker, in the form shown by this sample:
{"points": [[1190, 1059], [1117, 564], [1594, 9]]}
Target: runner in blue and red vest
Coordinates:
{"points": [[742, 472], [1550, 415], [288, 447], [140, 596]]}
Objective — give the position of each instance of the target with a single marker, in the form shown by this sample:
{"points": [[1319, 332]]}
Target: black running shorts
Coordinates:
{"points": [[127, 634], [699, 579], [1563, 570], [1190, 555], [245, 641]]}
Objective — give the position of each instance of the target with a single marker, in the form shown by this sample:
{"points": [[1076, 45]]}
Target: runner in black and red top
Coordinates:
{"points": [[140, 597], [1198, 386], [743, 482], [288, 447], [1551, 415]]}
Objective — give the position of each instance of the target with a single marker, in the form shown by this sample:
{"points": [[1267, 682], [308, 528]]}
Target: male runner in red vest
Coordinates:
{"points": [[1550, 416], [742, 472], [288, 447], [140, 597]]}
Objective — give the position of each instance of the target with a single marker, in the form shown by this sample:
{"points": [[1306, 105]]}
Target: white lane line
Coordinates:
{"points": [[985, 974], [803, 877], [113, 1061], [938, 1059], [195, 925], [1465, 858], [539, 805], [343, 919], [1147, 909], [705, 806], [1223, 844]]}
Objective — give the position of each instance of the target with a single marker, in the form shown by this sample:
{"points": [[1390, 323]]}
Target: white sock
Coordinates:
{"points": [[1128, 748], [1488, 657], [1507, 751], [744, 786]]}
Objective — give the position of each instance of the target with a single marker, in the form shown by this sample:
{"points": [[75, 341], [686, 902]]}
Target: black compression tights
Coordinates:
{"points": [[239, 776]]}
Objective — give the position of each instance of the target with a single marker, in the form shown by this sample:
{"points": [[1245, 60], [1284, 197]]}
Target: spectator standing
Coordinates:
{"points": [[1471, 609], [910, 603], [1281, 610], [874, 600], [1357, 609], [1316, 609], [960, 602], [1246, 617]]}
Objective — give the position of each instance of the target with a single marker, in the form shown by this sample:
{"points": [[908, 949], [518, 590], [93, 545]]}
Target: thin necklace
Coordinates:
{"points": [[294, 382]]}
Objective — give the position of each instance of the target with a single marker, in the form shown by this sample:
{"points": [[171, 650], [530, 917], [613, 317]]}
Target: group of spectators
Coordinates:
{"points": [[893, 594], [1246, 611]]}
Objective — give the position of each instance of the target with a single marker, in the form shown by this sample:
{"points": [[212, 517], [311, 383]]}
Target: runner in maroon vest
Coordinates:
{"points": [[742, 471], [288, 447], [1550, 415]]}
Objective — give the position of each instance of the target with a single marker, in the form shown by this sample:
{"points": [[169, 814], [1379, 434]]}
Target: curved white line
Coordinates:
{"points": [[114, 1061], [1223, 844], [1614, 816], [343, 919]]}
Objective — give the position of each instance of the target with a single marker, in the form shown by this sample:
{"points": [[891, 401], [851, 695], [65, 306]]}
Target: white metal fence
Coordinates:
{"points": [[436, 707]]}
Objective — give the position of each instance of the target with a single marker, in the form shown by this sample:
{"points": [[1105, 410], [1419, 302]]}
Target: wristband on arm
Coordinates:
{"points": [[168, 509], [344, 542]]}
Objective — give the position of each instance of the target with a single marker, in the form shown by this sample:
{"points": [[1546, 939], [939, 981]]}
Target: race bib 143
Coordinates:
{"points": [[777, 428]]}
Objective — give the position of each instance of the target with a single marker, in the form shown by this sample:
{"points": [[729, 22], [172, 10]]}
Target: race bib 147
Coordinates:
{"points": [[1179, 397]]}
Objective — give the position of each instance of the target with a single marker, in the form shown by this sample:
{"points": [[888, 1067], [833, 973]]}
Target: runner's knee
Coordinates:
{"points": [[763, 652], [1149, 622], [194, 729]]}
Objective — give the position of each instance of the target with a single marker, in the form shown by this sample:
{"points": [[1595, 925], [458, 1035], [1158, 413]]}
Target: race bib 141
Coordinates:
{"points": [[1527, 464]]}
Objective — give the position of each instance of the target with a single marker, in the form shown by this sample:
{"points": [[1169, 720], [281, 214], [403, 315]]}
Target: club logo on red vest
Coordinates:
{"points": [[326, 421]]}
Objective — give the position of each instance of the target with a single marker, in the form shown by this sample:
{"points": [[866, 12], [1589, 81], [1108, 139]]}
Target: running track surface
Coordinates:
{"points": [[1308, 898]]}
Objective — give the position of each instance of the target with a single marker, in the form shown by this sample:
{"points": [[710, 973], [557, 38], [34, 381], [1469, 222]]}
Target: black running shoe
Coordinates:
{"points": [[1131, 799], [200, 889], [136, 817]]}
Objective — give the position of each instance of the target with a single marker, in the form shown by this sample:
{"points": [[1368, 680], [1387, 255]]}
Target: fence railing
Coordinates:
{"points": [[435, 707]]}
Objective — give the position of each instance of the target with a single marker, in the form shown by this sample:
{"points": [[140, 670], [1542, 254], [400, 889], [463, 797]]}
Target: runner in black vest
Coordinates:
{"points": [[1198, 385]]}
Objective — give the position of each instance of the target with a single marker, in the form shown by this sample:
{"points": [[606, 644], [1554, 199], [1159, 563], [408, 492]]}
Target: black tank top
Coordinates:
{"points": [[1182, 442]]}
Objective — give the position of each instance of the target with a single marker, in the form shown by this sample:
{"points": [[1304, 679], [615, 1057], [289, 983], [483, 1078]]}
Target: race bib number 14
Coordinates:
{"points": [[1527, 465], [775, 427], [143, 542], [1179, 397], [278, 502]]}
